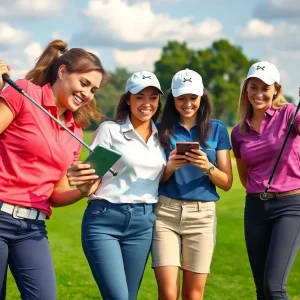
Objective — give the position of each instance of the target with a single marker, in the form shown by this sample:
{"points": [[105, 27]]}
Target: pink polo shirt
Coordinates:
{"points": [[259, 151], [35, 152]]}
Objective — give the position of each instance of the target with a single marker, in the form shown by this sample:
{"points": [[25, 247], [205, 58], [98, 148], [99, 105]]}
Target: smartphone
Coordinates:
{"points": [[102, 159], [182, 147]]}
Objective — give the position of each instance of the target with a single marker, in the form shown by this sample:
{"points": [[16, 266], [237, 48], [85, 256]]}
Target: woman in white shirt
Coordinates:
{"points": [[118, 222]]}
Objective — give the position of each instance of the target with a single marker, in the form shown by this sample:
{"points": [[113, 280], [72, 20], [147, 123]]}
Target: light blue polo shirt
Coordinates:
{"points": [[189, 182]]}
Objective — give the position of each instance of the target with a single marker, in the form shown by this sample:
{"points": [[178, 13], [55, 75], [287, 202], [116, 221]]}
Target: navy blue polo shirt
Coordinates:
{"points": [[190, 182]]}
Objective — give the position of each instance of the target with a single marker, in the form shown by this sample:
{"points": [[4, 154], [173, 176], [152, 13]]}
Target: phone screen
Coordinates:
{"points": [[182, 147]]}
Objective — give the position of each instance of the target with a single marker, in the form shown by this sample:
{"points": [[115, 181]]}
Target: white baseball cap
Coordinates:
{"points": [[265, 71], [140, 80], [187, 82]]}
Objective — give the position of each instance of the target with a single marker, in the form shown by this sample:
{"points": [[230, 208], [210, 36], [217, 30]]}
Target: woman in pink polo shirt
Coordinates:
{"points": [[34, 156], [272, 223]]}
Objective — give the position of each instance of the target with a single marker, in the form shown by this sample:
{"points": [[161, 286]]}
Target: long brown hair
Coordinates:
{"points": [[245, 108], [76, 60], [171, 116]]}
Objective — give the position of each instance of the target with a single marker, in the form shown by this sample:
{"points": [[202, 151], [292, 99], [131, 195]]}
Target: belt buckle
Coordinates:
{"points": [[263, 196], [15, 212]]}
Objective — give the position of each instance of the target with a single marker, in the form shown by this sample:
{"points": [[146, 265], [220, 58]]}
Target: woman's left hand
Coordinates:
{"points": [[199, 159]]}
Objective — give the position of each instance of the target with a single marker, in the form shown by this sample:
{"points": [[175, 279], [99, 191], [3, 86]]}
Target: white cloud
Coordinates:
{"points": [[11, 36], [139, 59], [93, 50], [35, 9], [256, 29], [32, 52], [116, 23]]}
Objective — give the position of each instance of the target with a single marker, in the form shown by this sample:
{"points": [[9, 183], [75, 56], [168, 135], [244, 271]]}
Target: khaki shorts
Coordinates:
{"points": [[184, 234]]}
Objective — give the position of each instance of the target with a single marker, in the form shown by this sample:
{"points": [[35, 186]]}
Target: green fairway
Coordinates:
{"points": [[230, 277]]}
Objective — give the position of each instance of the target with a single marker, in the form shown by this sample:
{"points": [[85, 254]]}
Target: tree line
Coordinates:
{"points": [[223, 66]]}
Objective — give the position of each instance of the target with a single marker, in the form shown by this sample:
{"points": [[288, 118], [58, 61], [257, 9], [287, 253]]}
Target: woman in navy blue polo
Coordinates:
{"points": [[185, 229]]}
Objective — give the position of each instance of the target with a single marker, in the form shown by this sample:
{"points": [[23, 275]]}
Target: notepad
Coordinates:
{"points": [[102, 159]]}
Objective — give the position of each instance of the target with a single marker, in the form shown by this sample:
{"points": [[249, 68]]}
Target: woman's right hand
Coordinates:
{"points": [[176, 161], [4, 69], [83, 177]]}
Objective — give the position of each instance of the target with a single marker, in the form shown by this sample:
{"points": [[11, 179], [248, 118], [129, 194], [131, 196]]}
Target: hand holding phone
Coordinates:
{"points": [[182, 147]]}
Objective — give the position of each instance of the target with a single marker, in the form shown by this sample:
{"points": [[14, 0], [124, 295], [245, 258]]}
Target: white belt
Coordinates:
{"points": [[19, 212]]}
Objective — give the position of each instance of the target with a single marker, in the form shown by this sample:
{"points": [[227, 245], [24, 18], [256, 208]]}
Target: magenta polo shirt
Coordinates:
{"points": [[35, 152], [259, 151]]}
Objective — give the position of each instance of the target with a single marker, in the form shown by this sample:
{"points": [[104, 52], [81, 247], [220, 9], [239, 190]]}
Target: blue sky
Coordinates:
{"points": [[131, 33]]}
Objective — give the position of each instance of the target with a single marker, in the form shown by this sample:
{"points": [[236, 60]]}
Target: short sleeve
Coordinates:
{"points": [[13, 98], [223, 138], [290, 111], [234, 141], [102, 136]]}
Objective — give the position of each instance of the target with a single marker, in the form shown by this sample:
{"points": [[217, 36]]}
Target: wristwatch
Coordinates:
{"points": [[210, 170]]}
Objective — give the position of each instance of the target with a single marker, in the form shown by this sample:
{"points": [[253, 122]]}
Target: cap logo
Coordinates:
{"points": [[259, 67], [144, 77], [185, 79]]}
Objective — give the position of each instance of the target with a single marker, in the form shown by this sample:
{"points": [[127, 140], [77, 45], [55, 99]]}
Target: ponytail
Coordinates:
{"points": [[76, 60]]}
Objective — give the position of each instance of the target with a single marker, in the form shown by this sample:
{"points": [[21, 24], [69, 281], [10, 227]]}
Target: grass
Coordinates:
{"points": [[230, 277]]}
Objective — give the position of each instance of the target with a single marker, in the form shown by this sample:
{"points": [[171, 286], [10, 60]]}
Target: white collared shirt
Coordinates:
{"points": [[139, 169]]}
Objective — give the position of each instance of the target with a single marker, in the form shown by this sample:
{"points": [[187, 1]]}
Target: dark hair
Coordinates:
{"points": [[171, 116], [123, 109], [76, 60]]}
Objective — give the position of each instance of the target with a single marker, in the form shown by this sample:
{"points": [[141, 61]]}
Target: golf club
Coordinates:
{"points": [[20, 90], [264, 195]]}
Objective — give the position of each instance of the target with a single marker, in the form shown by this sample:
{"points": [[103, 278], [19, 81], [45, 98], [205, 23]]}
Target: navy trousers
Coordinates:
{"points": [[24, 247], [272, 232]]}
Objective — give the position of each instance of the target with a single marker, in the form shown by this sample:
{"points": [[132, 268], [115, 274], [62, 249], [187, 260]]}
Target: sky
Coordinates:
{"points": [[131, 33]]}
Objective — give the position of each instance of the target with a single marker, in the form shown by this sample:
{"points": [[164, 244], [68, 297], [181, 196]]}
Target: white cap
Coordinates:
{"points": [[265, 71], [140, 80], [187, 82]]}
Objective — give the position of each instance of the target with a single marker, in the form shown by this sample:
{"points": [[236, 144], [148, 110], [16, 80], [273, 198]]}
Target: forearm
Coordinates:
{"points": [[221, 179], [65, 196], [167, 173]]}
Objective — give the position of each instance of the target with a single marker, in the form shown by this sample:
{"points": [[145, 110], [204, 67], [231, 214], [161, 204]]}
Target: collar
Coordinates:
{"points": [[178, 124], [48, 100], [270, 112], [127, 126]]}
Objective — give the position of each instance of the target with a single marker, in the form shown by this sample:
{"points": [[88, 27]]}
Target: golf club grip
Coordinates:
{"points": [[12, 83], [20, 90]]}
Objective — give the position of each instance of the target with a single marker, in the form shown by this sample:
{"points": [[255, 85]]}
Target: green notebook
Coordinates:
{"points": [[102, 159]]}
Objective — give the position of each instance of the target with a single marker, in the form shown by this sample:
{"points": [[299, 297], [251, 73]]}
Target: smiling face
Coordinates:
{"points": [[75, 90], [187, 105], [260, 95], [143, 105]]}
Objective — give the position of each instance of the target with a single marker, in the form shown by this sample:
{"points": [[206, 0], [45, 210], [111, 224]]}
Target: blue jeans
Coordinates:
{"points": [[116, 239], [24, 247], [272, 232]]}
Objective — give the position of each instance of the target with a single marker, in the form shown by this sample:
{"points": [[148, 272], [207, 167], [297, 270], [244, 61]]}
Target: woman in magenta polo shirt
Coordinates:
{"points": [[34, 156], [272, 224]]}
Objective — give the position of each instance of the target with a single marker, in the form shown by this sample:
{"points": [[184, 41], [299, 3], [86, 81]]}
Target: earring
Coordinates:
{"points": [[275, 95]]}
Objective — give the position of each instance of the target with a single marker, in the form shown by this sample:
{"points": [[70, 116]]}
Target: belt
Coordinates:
{"points": [[19, 212], [267, 196]]}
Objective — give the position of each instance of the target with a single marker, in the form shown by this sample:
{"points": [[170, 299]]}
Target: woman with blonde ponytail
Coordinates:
{"points": [[35, 154]]}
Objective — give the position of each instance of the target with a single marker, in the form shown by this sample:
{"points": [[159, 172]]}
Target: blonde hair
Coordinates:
{"points": [[245, 108], [76, 60]]}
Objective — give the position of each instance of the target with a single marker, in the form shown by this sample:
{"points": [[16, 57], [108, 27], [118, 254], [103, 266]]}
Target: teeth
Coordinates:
{"points": [[78, 99], [145, 111]]}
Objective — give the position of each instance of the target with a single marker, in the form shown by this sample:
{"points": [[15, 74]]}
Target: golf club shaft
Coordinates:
{"points": [[20, 90], [282, 148]]}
